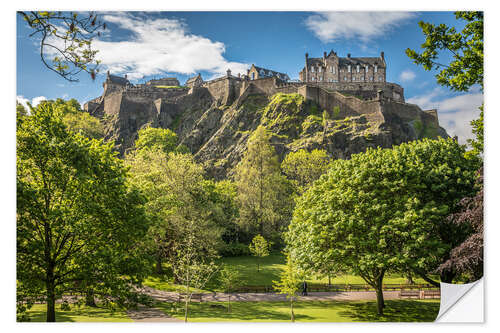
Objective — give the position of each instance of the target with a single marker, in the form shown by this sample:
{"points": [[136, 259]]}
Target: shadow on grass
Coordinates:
{"points": [[89, 314], [394, 311], [241, 311]]}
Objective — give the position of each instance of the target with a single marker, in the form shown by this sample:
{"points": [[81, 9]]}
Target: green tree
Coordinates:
{"points": [[263, 193], [465, 47], [383, 210], [66, 41], [259, 248], [303, 167], [289, 283], [466, 68], [78, 223], [229, 279], [156, 139]]}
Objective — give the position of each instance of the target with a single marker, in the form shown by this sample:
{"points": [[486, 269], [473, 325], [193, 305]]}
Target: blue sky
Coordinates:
{"points": [[156, 44]]}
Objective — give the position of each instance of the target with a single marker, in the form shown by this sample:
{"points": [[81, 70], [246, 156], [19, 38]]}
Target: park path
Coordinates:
{"points": [[168, 296], [145, 314]]}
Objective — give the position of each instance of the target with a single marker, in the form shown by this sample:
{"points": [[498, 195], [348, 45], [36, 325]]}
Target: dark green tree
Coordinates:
{"points": [[383, 211], [78, 223]]}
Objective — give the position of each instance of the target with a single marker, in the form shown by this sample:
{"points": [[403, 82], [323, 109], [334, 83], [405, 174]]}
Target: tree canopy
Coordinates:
{"points": [[466, 49], [78, 223], [383, 210]]}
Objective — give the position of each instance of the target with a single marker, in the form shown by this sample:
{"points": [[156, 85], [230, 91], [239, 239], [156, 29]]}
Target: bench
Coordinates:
{"points": [[409, 293], [194, 297], [432, 293]]}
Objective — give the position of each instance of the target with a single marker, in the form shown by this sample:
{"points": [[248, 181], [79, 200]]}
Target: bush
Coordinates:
{"points": [[234, 250]]}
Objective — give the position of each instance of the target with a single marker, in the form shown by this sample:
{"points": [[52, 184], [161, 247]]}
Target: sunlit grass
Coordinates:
{"points": [[38, 313], [308, 311]]}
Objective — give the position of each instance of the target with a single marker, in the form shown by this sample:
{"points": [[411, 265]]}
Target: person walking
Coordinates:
{"points": [[304, 288]]}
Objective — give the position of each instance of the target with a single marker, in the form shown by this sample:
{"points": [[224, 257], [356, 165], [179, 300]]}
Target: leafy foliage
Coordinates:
{"points": [[303, 167], [467, 258], [230, 279], [259, 247], [67, 38], [289, 283], [466, 48], [264, 195], [78, 223], [150, 138], [383, 210]]}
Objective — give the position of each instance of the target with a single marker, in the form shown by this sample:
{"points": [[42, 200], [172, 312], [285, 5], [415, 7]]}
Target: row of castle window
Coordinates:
{"points": [[331, 69], [354, 78]]}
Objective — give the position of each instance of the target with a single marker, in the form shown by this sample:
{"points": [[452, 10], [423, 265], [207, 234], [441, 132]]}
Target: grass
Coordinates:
{"points": [[83, 314], [272, 266], [166, 284], [170, 87], [308, 311]]}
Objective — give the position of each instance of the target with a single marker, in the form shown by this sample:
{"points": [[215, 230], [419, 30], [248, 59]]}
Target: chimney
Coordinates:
{"points": [[324, 54], [239, 75], [382, 54], [228, 72], [348, 55], [125, 75], [248, 72]]}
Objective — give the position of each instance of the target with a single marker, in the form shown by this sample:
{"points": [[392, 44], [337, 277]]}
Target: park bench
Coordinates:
{"points": [[194, 297], [432, 293], [409, 293]]}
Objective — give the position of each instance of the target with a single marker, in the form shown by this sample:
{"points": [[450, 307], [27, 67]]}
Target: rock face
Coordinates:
{"points": [[215, 124]]}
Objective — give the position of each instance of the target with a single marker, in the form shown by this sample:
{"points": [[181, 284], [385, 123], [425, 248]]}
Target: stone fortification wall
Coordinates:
{"points": [[224, 90], [340, 106], [365, 90], [409, 112]]}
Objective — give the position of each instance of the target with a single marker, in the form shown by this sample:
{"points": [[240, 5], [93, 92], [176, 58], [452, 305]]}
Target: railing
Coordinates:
{"points": [[316, 287]]}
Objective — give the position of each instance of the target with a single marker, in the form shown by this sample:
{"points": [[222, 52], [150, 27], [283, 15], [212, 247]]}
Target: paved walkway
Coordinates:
{"points": [[145, 314], [167, 296]]}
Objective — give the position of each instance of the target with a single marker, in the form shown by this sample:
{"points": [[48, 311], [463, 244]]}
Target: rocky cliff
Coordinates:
{"points": [[217, 134]]}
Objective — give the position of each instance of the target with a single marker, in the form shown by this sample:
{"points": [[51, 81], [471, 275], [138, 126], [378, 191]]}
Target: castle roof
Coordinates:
{"points": [[117, 79], [349, 61], [269, 73], [193, 79]]}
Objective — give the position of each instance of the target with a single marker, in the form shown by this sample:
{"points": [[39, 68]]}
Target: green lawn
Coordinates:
{"points": [[83, 314], [307, 311], [272, 265]]}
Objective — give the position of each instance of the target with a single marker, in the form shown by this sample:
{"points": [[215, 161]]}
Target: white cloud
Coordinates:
{"points": [[330, 26], [407, 75], [160, 45], [34, 102], [455, 113]]}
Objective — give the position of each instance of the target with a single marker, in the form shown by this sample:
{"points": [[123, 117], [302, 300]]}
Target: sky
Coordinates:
{"points": [[146, 45]]}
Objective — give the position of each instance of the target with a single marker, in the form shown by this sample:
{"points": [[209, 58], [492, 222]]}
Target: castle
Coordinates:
{"points": [[352, 85]]}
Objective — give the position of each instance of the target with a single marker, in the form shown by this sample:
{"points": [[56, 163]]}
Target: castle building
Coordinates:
{"points": [[166, 81], [332, 68], [195, 81], [255, 73]]}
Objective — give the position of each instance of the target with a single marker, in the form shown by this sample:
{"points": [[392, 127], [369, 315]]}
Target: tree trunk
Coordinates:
{"points": [[447, 276], [159, 268], [329, 281], [186, 309], [380, 294], [89, 298], [229, 302], [51, 297], [291, 309]]}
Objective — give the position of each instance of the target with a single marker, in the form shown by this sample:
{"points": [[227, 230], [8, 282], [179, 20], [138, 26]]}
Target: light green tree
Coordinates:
{"points": [[259, 248], [303, 167], [151, 138], [229, 279], [78, 223], [384, 211], [289, 283], [263, 193]]}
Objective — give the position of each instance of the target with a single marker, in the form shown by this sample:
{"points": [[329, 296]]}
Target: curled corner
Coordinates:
{"points": [[461, 302]]}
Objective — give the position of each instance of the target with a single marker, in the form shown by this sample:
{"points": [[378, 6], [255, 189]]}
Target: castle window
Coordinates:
{"points": [[320, 79], [357, 69], [345, 78], [375, 69], [366, 69], [253, 75], [349, 68], [319, 69], [371, 79], [312, 69], [332, 69]]}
